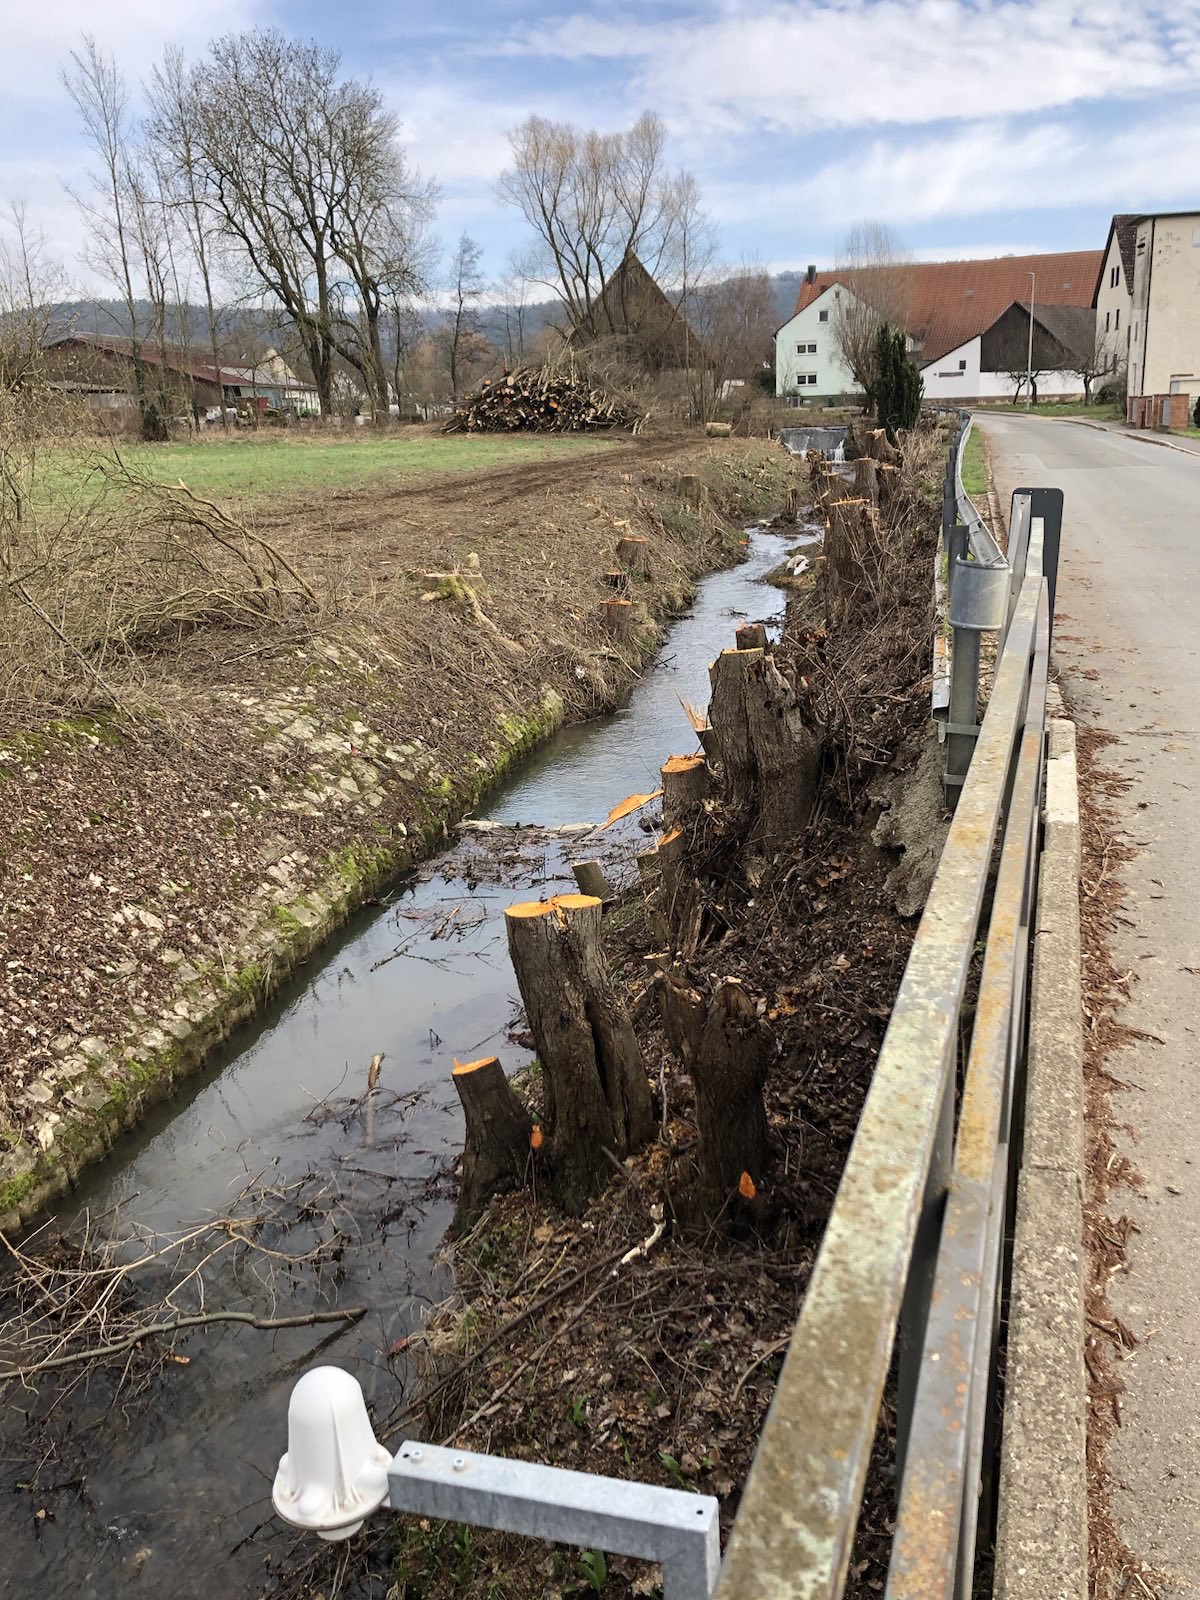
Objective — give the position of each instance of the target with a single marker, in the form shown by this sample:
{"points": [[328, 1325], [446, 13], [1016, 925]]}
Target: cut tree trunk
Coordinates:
{"points": [[728, 1051], [618, 618], [751, 636], [496, 1148], [690, 489], [597, 1093], [791, 506], [686, 785], [881, 447], [853, 547], [617, 580], [866, 479], [769, 754], [589, 876], [633, 553]]}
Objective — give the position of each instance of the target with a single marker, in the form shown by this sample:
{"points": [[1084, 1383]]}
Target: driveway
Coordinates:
{"points": [[1128, 647]]}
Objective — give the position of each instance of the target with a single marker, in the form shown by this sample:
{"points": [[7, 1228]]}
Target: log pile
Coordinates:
{"points": [[540, 399]]}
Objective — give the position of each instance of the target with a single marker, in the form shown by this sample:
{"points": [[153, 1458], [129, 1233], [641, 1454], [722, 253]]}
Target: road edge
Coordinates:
{"points": [[1042, 1536]]}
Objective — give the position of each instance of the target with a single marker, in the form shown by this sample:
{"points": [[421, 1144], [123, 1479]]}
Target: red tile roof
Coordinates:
{"points": [[950, 302]]}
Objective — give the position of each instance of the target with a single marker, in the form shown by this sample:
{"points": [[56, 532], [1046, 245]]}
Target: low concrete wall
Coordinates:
{"points": [[1042, 1541]]}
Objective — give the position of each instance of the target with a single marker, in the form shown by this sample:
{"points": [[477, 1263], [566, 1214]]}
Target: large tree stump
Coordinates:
{"points": [[728, 1051], [769, 753], [791, 505], [686, 785], [617, 581], [633, 554], [597, 1093], [618, 618], [496, 1147], [881, 447], [853, 552]]}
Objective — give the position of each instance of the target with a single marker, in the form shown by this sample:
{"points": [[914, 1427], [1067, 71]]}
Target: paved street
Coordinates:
{"points": [[1129, 648]]}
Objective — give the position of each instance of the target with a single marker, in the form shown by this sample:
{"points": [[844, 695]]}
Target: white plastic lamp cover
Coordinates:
{"points": [[335, 1470]]}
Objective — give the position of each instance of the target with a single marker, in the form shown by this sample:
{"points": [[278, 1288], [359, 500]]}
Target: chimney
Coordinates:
{"points": [[811, 275]]}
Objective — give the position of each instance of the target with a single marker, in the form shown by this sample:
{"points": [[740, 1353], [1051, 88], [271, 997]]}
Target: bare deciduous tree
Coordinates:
{"points": [[734, 319], [460, 332], [100, 94], [874, 272], [592, 200], [31, 284]]}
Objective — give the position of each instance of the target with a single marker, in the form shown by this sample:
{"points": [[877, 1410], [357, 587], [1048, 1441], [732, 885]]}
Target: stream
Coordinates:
{"points": [[177, 1488]]}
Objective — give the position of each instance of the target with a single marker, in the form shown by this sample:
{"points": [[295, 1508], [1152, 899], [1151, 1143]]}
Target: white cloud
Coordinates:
{"points": [[797, 66], [984, 168]]}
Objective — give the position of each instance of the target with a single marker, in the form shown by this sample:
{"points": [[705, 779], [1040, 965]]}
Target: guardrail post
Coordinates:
{"points": [[1047, 504]]}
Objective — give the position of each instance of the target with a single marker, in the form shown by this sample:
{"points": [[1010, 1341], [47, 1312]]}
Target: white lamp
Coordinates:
{"points": [[335, 1472]]}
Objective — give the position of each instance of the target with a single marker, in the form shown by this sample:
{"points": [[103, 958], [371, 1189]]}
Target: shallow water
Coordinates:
{"points": [[176, 1491]]}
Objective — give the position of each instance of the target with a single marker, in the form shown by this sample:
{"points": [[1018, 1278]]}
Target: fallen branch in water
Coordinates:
{"points": [[176, 1325]]}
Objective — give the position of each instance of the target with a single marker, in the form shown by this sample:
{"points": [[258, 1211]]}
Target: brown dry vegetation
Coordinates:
{"points": [[639, 1343], [349, 689]]}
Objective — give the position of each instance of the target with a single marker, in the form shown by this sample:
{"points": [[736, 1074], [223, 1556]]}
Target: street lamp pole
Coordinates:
{"points": [[1029, 359]]}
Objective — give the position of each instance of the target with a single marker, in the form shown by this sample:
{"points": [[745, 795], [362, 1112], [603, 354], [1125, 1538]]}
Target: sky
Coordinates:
{"points": [[978, 128]]}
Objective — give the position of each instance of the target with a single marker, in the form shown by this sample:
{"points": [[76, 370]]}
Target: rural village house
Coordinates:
{"points": [[1148, 298], [99, 368], [967, 326]]}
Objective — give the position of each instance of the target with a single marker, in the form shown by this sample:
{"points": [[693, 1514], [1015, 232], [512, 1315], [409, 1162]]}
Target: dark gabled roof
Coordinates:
{"points": [[180, 361], [950, 302], [1124, 225], [1074, 327]]}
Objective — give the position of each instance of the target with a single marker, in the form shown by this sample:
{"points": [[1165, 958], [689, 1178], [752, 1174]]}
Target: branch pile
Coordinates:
{"points": [[540, 399]]}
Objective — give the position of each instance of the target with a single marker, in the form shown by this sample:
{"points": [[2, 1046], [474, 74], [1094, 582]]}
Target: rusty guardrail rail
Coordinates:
{"points": [[912, 1253]]}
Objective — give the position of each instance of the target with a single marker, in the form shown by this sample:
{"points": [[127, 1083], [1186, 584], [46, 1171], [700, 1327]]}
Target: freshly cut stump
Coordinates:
{"points": [[770, 756], [589, 875], [751, 636], [597, 1092], [633, 554], [686, 785], [496, 1149], [618, 618]]}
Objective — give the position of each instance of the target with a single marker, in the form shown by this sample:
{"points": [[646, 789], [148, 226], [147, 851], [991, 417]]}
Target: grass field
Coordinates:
{"points": [[275, 466], [974, 467], [1060, 408]]}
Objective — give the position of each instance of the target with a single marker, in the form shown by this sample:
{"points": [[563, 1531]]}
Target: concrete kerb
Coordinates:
{"points": [[1042, 1538]]}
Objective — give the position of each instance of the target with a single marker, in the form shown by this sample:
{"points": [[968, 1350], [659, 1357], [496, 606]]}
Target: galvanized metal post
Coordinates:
{"points": [[1047, 504], [680, 1531]]}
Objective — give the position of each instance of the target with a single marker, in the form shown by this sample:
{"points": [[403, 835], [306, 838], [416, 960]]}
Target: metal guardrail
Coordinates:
{"points": [[912, 1252]]}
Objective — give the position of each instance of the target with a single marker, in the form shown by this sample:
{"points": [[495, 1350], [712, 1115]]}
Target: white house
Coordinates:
{"points": [[1164, 345], [953, 307]]}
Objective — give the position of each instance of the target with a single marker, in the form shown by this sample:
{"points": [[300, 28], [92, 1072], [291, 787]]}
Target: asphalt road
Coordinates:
{"points": [[1128, 647]]}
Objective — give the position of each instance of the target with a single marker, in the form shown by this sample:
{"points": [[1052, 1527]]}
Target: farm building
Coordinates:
{"points": [[100, 369]]}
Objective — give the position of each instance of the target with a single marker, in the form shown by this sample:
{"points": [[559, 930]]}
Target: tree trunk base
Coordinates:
{"points": [[496, 1150]]}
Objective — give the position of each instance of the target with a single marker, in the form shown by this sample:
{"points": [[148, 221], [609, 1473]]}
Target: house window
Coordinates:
{"points": [[1196, 238], [962, 365], [1107, 321], [1117, 323], [803, 378], [823, 317], [1114, 277], [806, 349]]}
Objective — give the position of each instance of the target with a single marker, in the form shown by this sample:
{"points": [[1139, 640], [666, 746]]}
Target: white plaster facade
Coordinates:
{"points": [[1114, 304], [807, 364], [959, 376], [1164, 347]]}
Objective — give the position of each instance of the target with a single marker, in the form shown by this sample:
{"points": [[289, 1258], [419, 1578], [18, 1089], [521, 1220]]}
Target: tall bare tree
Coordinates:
{"points": [[32, 282], [874, 271], [171, 133], [733, 318], [592, 200], [460, 331], [308, 188], [100, 94]]}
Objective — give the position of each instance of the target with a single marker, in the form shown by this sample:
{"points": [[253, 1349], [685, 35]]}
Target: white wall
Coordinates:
{"points": [[1164, 355], [1114, 305], [825, 365], [957, 376]]}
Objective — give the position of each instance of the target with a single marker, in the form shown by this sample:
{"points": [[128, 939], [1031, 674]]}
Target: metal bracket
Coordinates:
{"points": [[969, 730], [978, 596], [681, 1531]]}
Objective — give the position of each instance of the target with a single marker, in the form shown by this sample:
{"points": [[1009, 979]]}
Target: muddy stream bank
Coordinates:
{"points": [[177, 1482]]}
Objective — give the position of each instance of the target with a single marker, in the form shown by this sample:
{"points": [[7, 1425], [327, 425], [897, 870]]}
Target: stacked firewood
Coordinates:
{"points": [[544, 399]]}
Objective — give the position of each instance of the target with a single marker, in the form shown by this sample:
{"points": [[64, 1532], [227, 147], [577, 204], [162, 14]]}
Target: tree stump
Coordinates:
{"points": [[633, 554], [589, 875], [686, 785], [866, 479], [496, 1147], [791, 506], [650, 871], [597, 1093], [617, 580], [881, 447], [690, 489], [853, 549], [752, 636], [618, 618], [769, 753], [728, 1051]]}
